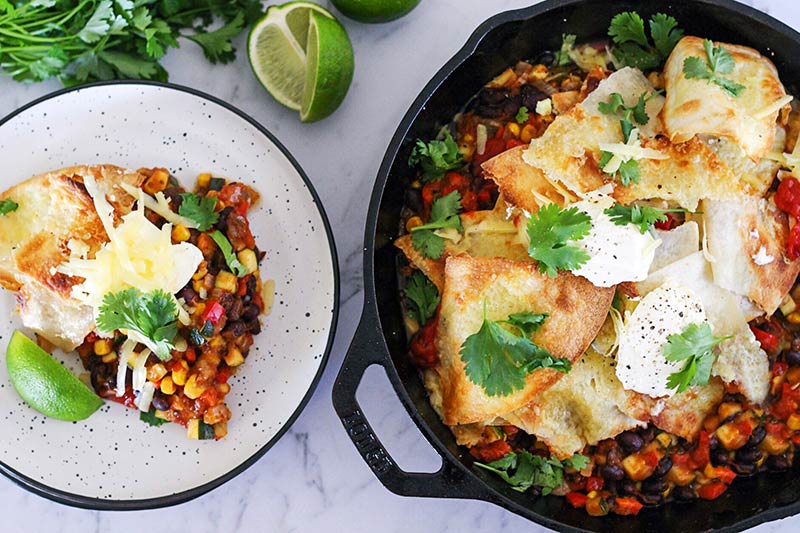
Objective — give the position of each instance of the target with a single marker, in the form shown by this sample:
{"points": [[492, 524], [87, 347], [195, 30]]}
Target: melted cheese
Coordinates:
{"points": [[624, 152]]}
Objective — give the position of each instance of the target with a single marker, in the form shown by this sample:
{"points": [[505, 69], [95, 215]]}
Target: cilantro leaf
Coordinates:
{"points": [[436, 157], [522, 115], [424, 297], [718, 61], [199, 209], [616, 106], [629, 172], [562, 56], [130, 65], [550, 230], [148, 318], [694, 346], [527, 322], [150, 418], [227, 251], [444, 214], [499, 361], [577, 461], [523, 470], [217, 45], [631, 45], [642, 216], [7, 206]]}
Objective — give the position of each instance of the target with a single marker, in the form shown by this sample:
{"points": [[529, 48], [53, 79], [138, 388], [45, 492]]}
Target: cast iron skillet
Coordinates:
{"points": [[380, 338]]}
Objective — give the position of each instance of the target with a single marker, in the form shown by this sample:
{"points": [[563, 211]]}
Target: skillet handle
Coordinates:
{"points": [[368, 348]]}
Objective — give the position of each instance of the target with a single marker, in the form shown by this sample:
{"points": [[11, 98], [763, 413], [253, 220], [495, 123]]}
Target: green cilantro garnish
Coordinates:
{"points": [[694, 346], [436, 157], [444, 214], [523, 470], [8, 206], [150, 418], [562, 56], [718, 61], [498, 360], [631, 46], [642, 216], [522, 115], [550, 230], [149, 318], [199, 209], [628, 171], [424, 297], [227, 251]]}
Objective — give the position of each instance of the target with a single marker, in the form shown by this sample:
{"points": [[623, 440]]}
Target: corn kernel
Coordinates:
{"points": [[162, 415], [109, 357], [247, 257], [179, 374], [226, 281], [412, 223], [665, 439], [167, 386], [102, 346], [794, 318], [181, 233], [527, 133], [157, 182], [156, 372], [513, 129], [202, 270], [192, 389], [204, 180], [468, 138], [234, 357], [726, 409], [223, 388]]}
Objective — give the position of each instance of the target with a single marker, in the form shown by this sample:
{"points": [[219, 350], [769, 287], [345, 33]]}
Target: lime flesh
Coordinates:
{"points": [[45, 385], [375, 10]]}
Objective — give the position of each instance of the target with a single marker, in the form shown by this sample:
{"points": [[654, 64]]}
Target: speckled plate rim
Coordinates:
{"points": [[99, 504]]}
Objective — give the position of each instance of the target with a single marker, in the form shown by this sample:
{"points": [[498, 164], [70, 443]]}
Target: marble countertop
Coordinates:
{"points": [[313, 479]]}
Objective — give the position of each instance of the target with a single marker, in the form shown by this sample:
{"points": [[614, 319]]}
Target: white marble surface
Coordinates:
{"points": [[313, 480]]}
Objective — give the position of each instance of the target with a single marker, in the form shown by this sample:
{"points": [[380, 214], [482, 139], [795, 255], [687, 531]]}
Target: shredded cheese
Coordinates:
{"points": [[139, 370], [125, 352], [146, 397], [482, 137], [159, 205], [624, 152]]}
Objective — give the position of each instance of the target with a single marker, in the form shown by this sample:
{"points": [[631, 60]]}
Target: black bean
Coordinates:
{"points": [[629, 486], [173, 194], [222, 222], [253, 326], [683, 493], [545, 58], [654, 485], [160, 401], [648, 434], [630, 442], [413, 200], [713, 442], [778, 462], [651, 498], [720, 457], [251, 285], [744, 469], [188, 294], [796, 344], [610, 471], [531, 95], [235, 328], [663, 467], [756, 437], [497, 103], [748, 455], [250, 312], [792, 357], [235, 309]]}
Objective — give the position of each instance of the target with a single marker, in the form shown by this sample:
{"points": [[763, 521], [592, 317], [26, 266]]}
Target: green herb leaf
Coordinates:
{"points": [[550, 230], [199, 210], [150, 315], [227, 251], [7, 206], [150, 418], [694, 345], [444, 214], [424, 297], [499, 361], [527, 322], [523, 470], [562, 56], [436, 157], [616, 106], [718, 61], [629, 172], [665, 32], [217, 45], [522, 115], [642, 216], [632, 47], [131, 66]]}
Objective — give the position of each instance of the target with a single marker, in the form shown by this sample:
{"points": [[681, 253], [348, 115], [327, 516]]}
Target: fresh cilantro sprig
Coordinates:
{"points": [[423, 295], [498, 360], [631, 45], [8, 206], [629, 171], [444, 214], [522, 115], [642, 216], [436, 157], [150, 418], [694, 346], [562, 56], [717, 61], [550, 231], [523, 470], [199, 209], [149, 318], [227, 251]]}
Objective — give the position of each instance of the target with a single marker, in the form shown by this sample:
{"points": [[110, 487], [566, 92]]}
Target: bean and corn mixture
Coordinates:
{"points": [[644, 467], [190, 387]]}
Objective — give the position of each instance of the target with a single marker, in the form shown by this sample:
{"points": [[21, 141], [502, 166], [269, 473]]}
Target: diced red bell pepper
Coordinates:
{"points": [[213, 312], [190, 354], [223, 373], [700, 455], [627, 506], [667, 224], [491, 451], [237, 196], [712, 491], [793, 246], [594, 483], [423, 345], [723, 473], [769, 342], [513, 142], [577, 499]]}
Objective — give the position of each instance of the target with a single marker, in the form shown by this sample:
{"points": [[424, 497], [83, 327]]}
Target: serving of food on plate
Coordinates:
{"points": [[601, 253], [157, 289]]}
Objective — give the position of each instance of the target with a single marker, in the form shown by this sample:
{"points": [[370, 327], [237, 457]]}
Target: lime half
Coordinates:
{"points": [[303, 58], [375, 10], [45, 384]]}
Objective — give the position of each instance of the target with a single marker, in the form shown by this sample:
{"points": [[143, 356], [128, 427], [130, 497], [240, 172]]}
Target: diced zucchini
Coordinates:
{"points": [[216, 184], [205, 431]]}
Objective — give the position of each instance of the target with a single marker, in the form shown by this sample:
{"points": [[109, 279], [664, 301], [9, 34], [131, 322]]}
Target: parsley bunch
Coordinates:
{"points": [[435, 157], [550, 230], [424, 297], [632, 48], [498, 360], [642, 216], [694, 346], [523, 470], [718, 61], [8, 206], [444, 214], [80, 41]]}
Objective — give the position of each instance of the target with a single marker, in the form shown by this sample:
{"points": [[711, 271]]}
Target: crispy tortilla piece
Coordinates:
{"points": [[676, 244], [55, 208], [747, 238], [696, 106], [576, 311]]}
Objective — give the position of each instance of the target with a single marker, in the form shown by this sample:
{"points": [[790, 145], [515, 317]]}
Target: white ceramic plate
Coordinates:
{"points": [[113, 460]]}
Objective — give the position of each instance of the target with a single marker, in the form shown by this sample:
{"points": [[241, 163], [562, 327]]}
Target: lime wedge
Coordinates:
{"points": [[45, 384], [303, 58], [375, 10]]}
